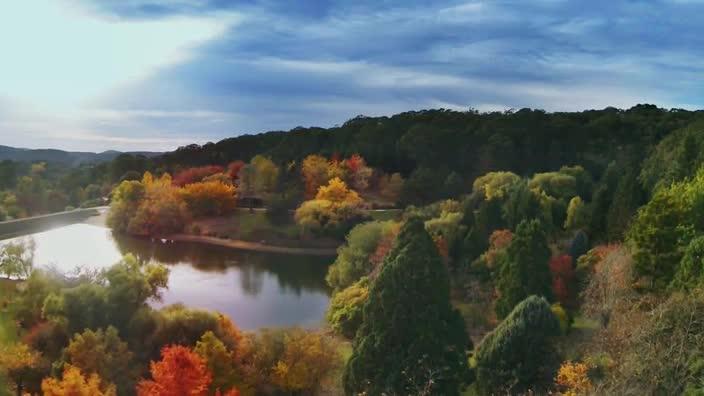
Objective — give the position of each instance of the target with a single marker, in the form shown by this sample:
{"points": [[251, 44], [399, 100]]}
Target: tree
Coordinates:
{"points": [[690, 272], [573, 379], [345, 312], [577, 215], [18, 362], [195, 175], [307, 360], [102, 352], [555, 184], [520, 203], [126, 198], [74, 383], [524, 270], [354, 257], [495, 184], [212, 198], [337, 192], [333, 210], [410, 334], [564, 286], [390, 186], [315, 173], [266, 174], [358, 172], [17, 259], [516, 355], [180, 372], [220, 362]]}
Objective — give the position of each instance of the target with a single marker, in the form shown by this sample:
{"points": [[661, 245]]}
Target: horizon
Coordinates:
{"points": [[152, 75]]}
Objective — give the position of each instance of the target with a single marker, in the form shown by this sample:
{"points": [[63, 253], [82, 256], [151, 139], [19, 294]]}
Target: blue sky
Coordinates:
{"points": [[153, 75]]}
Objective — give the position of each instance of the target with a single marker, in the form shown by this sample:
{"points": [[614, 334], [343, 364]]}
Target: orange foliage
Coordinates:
{"points": [[573, 379], [315, 173], [498, 241], [354, 163], [563, 279], [194, 175], [180, 372]]}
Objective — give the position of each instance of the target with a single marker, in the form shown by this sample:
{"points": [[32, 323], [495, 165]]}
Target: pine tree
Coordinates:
{"points": [[517, 354], [410, 338], [524, 270]]}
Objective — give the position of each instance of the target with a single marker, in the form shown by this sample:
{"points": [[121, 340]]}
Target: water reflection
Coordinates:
{"points": [[255, 289]]}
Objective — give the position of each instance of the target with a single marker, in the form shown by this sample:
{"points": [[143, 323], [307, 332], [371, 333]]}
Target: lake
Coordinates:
{"points": [[255, 289]]}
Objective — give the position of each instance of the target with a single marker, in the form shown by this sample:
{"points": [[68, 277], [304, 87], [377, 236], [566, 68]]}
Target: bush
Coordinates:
{"points": [[345, 311]]}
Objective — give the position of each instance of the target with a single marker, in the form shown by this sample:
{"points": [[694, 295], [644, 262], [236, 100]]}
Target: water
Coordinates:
{"points": [[255, 289]]}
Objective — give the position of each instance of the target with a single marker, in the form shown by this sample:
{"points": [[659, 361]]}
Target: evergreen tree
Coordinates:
{"points": [[410, 337], [517, 355], [524, 270]]}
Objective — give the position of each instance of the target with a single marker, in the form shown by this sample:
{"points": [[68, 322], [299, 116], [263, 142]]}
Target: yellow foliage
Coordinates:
{"points": [[212, 198], [573, 378], [337, 192], [75, 384], [307, 359]]}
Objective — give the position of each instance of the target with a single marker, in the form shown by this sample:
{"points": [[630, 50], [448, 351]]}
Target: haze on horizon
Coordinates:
{"points": [[153, 75]]}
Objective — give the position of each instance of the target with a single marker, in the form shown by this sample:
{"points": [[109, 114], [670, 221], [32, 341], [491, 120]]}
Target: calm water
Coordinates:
{"points": [[254, 289]]}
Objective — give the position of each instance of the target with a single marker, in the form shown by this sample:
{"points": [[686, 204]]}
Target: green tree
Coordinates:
{"points": [[690, 272], [410, 337], [524, 270], [220, 363], [17, 259], [577, 214], [345, 311], [516, 355]]}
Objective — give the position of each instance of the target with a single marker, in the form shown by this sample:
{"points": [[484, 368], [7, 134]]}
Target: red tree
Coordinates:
{"points": [[181, 372], [194, 175], [233, 169], [563, 280]]}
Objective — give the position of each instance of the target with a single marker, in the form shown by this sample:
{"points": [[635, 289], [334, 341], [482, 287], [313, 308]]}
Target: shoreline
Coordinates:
{"points": [[252, 246]]}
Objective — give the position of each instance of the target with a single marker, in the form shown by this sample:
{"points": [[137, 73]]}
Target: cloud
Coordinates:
{"points": [[145, 71]]}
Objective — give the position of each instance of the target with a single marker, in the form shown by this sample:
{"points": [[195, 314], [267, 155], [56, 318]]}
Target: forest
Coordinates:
{"points": [[478, 253]]}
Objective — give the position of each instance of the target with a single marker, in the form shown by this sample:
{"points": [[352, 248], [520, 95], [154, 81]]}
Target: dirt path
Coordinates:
{"points": [[255, 246]]}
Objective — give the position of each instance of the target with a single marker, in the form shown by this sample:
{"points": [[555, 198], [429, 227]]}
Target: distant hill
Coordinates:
{"points": [[60, 156]]}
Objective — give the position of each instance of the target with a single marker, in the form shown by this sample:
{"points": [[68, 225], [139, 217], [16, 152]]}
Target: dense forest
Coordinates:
{"points": [[518, 252]]}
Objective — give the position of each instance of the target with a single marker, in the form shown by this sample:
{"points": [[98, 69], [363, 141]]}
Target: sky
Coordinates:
{"points": [[94, 75]]}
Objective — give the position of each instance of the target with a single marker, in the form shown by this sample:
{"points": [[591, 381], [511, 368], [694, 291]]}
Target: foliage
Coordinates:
{"points": [[102, 352], [555, 184], [211, 198], [19, 362], [74, 383], [410, 335], [663, 228], [195, 175], [495, 185], [690, 272], [564, 287], [307, 359], [390, 186], [221, 363], [315, 173], [516, 355], [524, 270], [17, 258], [180, 371], [609, 282], [29, 300], [577, 215], [334, 209], [573, 379], [345, 311]]}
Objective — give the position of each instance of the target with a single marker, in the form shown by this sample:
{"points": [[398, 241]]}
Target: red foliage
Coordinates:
{"points": [[233, 169], [498, 241], [194, 175], [563, 280], [442, 246], [354, 162], [231, 392], [180, 372]]}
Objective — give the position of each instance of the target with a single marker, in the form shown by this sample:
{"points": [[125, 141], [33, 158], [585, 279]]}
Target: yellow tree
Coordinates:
{"points": [[307, 360], [74, 383], [17, 362], [315, 173], [337, 192]]}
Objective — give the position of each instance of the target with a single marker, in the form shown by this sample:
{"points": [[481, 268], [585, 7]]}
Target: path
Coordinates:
{"points": [[255, 246]]}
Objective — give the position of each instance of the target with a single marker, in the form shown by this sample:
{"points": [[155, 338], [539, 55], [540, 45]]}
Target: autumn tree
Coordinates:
{"points": [[495, 184], [408, 319], [563, 280], [266, 174], [577, 215], [516, 355], [221, 363], [212, 198], [573, 379], [19, 362], [307, 360], [345, 312], [524, 270], [74, 383], [315, 173], [179, 372], [333, 210], [358, 173], [195, 175], [102, 352], [390, 186]]}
